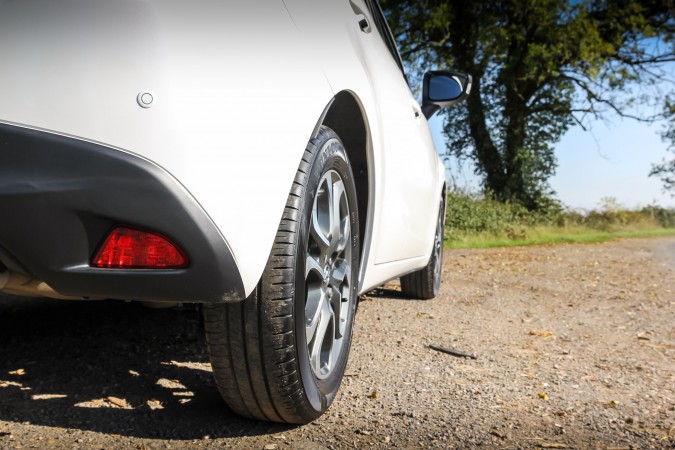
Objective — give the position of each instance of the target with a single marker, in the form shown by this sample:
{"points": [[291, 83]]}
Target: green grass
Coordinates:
{"points": [[554, 236], [479, 221]]}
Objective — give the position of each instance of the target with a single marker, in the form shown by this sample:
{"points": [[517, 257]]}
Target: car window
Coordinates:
{"points": [[385, 32]]}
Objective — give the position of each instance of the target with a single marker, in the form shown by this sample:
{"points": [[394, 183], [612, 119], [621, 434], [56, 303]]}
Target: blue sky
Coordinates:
{"points": [[609, 160]]}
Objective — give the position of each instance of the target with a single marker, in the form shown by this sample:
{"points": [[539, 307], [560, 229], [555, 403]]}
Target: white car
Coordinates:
{"points": [[265, 159]]}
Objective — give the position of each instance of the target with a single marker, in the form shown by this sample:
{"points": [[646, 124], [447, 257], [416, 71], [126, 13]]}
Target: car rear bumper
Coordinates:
{"points": [[60, 196]]}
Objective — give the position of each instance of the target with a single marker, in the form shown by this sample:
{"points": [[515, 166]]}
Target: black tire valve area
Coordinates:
{"points": [[281, 354]]}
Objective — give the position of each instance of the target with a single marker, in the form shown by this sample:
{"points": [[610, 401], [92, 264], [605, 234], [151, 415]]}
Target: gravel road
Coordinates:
{"points": [[575, 348]]}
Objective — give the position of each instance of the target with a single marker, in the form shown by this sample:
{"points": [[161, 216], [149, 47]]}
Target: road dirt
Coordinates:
{"points": [[575, 348]]}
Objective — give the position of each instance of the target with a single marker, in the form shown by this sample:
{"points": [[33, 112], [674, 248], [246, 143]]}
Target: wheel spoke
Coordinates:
{"points": [[339, 304], [322, 343], [315, 298], [339, 274], [336, 219], [312, 265], [321, 217]]}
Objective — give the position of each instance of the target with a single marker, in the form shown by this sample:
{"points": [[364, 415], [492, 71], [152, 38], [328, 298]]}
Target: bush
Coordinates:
{"points": [[481, 214]]}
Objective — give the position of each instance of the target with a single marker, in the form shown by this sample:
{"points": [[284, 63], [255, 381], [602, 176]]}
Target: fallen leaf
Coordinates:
{"points": [[48, 396], [154, 404], [184, 394], [374, 394], [134, 373], [543, 396], [541, 333], [170, 384], [18, 372], [96, 403], [120, 402]]}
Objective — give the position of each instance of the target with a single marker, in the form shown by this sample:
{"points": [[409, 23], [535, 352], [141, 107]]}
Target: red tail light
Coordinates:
{"points": [[126, 248]]}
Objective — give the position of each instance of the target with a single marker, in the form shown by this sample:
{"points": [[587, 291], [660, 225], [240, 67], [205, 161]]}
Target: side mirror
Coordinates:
{"points": [[443, 88]]}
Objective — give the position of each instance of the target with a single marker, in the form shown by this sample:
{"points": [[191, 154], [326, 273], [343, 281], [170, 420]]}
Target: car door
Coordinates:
{"points": [[408, 182]]}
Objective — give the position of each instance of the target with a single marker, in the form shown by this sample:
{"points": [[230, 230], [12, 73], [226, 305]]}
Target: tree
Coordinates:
{"points": [[666, 170], [538, 66]]}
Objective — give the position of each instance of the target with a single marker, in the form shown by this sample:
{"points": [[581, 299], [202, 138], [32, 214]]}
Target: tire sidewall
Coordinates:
{"points": [[330, 155]]}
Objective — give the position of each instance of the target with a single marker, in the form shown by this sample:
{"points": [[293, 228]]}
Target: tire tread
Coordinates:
{"points": [[243, 336]]}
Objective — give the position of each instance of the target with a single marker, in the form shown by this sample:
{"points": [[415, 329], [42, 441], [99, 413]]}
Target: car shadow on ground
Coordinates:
{"points": [[112, 367], [390, 291]]}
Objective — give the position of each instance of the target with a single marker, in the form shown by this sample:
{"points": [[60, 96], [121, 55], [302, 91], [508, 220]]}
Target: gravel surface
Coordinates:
{"points": [[575, 348]]}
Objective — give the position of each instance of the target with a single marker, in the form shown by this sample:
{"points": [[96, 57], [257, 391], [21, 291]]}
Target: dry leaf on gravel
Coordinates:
{"points": [[96, 403], [170, 384], [541, 333], [154, 404], [48, 396], [119, 402]]}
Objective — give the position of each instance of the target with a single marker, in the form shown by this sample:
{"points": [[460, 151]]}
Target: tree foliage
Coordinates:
{"points": [[666, 170], [538, 66]]}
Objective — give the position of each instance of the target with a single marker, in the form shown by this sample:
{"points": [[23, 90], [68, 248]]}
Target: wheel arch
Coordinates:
{"points": [[346, 117]]}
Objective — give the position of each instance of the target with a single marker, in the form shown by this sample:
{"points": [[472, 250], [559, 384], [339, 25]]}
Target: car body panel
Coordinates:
{"points": [[407, 172], [238, 89], [78, 69]]}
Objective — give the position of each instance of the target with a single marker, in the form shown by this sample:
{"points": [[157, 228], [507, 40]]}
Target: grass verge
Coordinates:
{"points": [[555, 236], [479, 221]]}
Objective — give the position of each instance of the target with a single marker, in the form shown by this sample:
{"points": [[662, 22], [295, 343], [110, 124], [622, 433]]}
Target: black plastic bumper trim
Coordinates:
{"points": [[59, 197]]}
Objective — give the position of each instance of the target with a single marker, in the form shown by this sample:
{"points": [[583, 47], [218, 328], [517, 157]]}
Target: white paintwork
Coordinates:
{"points": [[238, 89]]}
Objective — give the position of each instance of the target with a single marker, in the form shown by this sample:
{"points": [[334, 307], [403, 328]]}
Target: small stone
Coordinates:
{"points": [[271, 447]]}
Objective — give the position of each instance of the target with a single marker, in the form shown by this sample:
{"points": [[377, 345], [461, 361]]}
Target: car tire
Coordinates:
{"points": [[280, 355], [425, 283]]}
